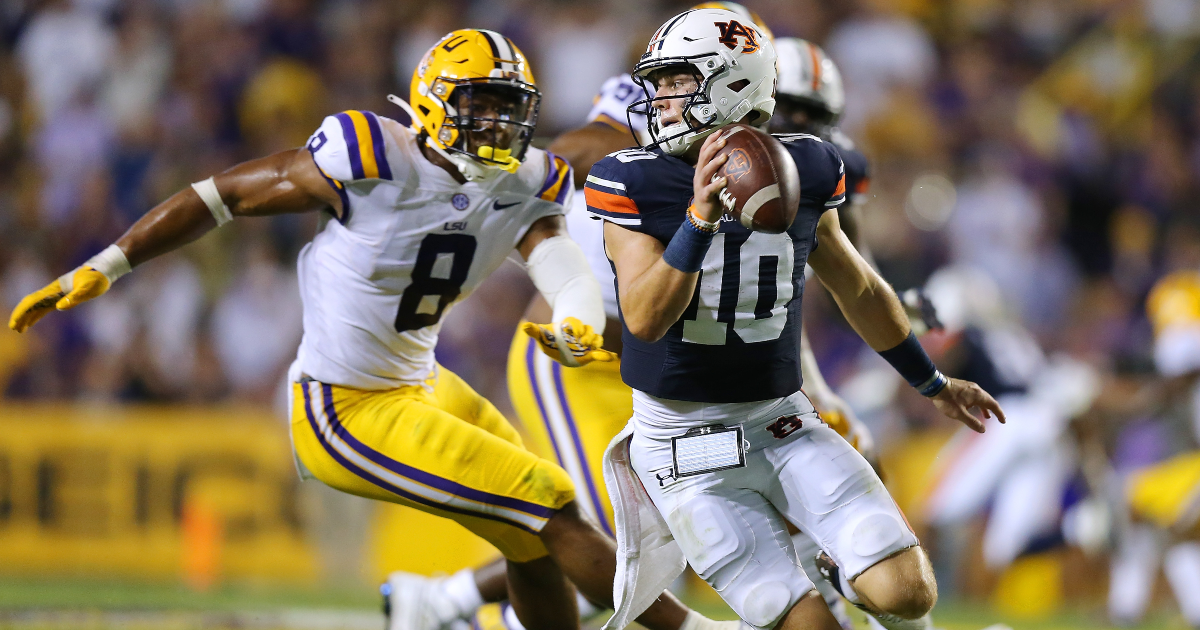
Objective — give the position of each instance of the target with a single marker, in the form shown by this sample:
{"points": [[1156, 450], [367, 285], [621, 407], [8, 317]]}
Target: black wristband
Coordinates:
{"points": [[915, 366]]}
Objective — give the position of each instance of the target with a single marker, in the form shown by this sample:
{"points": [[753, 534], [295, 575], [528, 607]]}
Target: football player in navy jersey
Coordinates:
{"points": [[723, 449], [810, 99]]}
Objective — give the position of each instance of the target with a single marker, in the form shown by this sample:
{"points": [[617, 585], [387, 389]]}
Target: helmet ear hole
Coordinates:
{"points": [[739, 85]]}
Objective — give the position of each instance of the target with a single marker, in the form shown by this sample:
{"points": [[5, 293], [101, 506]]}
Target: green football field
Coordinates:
{"points": [[55, 605]]}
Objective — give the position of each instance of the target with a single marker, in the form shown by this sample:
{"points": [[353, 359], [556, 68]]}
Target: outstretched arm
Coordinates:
{"points": [[286, 182], [876, 314]]}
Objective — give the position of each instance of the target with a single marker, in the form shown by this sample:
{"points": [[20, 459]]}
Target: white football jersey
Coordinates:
{"points": [[609, 107], [410, 243], [612, 104]]}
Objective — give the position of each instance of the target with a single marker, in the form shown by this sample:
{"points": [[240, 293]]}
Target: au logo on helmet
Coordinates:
{"points": [[732, 30]]}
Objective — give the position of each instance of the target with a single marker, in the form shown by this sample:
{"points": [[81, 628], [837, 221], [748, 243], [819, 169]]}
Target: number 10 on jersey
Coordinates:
{"points": [[746, 282]]}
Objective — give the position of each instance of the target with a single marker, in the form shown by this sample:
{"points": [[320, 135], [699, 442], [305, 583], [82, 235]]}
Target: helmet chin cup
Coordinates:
{"points": [[472, 169]]}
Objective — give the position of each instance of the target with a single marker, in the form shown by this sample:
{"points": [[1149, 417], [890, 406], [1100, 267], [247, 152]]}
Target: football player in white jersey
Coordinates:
{"points": [[724, 450], [416, 219], [573, 423]]}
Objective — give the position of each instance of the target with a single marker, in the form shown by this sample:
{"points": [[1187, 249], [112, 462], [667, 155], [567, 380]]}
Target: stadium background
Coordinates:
{"points": [[1052, 144]]}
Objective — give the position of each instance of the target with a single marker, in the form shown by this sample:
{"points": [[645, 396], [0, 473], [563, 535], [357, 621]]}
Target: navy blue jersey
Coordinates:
{"points": [[739, 339], [858, 172]]}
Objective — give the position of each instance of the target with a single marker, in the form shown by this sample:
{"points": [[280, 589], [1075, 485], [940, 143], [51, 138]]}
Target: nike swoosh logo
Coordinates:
{"points": [[496, 205]]}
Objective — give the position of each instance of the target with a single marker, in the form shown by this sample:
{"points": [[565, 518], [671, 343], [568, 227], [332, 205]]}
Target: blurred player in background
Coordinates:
{"points": [[1163, 500], [414, 220], [1025, 478], [694, 366]]}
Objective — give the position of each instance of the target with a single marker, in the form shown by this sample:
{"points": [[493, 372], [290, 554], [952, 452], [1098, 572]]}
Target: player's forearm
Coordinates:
{"points": [[873, 311], [172, 224], [652, 302]]}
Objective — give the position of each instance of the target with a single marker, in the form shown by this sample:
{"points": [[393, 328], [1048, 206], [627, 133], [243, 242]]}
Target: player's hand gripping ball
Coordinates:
{"points": [[571, 342], [763, 192], [86, 284]]}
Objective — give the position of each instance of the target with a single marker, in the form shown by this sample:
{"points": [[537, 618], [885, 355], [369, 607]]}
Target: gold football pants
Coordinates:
{"points": [[438, 447]]}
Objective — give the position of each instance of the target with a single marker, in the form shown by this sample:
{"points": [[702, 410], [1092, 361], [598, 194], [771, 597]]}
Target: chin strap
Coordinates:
{"points": [[470, 169]]}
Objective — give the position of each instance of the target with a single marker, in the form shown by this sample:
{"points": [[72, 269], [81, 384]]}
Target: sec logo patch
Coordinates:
{"points": [[460, 201]]}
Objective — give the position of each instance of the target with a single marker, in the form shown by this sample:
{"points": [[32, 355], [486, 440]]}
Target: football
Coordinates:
{"points": [[763, 192]]}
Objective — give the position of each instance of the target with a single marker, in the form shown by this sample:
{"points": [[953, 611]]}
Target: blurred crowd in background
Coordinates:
{"points": [[1051, 145]]}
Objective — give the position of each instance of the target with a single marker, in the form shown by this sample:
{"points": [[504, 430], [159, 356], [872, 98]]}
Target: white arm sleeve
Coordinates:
{"points": [[561, 273]]}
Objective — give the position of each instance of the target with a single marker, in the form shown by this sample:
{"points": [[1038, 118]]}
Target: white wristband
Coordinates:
{"points": [[111, 262], [207, 190]]}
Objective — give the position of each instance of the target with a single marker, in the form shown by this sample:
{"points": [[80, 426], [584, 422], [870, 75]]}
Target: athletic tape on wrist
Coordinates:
{"points": [[911, 361], [560, 271], [207, 190], [687, 248], [111, 262]]}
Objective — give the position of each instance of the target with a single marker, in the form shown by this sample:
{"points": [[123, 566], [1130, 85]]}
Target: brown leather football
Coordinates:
{"points": [[763, 192]]}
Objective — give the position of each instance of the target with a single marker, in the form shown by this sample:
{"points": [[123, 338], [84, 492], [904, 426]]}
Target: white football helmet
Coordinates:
{"points": [[735, 61], [809, 76]]}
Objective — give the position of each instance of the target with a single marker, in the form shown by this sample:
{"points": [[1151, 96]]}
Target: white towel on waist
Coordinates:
{"points": [[648, 558]]}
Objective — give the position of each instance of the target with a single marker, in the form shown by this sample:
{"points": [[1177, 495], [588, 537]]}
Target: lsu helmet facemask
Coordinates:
{"points": [[474, 99], [734, 61], [809, 79]]}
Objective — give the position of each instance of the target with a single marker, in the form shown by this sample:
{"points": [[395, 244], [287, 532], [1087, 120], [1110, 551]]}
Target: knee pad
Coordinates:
{"points": [[747, 563], [717, 541], [872, 538], [766, 602], [551, 484]]}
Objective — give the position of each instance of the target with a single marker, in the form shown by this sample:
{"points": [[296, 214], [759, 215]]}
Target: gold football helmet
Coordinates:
{"points": [[473, 96]]}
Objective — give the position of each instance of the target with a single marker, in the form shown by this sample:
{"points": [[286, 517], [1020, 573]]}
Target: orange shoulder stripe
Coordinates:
{"points": [[609, 202], [841, 187]]}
